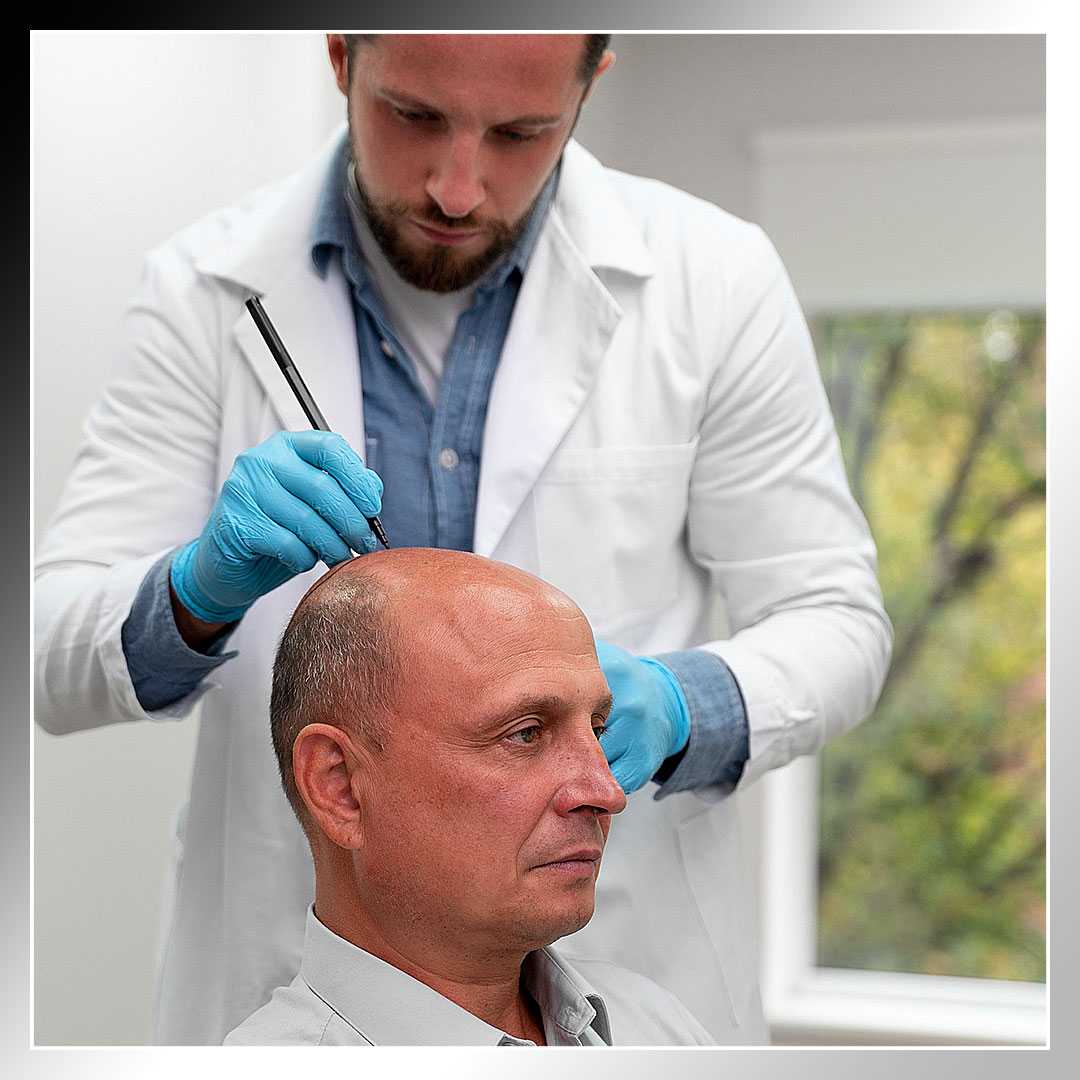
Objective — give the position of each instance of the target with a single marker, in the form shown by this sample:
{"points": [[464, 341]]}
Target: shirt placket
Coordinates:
{"points": [[385, 338], [451, 454], [377, 341]]}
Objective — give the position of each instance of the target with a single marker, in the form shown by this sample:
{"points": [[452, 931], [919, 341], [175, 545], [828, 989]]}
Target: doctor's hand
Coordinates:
{"points": [[296, 498], [650, 720]]}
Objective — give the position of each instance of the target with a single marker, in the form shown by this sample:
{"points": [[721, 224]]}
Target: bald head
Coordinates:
{"points": [[373, 627]]}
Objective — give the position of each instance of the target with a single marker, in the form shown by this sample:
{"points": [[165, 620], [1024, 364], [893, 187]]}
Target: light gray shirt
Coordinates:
{"points": [[344, 996]]}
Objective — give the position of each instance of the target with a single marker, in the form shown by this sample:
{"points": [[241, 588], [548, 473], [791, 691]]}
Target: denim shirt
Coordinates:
{"points": [[429, 459], [427, 455]]}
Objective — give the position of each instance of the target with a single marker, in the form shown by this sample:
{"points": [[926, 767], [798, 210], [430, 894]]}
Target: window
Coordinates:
{"points": [[904, 867], [930, 836], [931, 853]]}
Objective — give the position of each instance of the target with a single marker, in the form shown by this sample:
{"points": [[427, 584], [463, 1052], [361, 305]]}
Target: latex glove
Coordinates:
{"points": [[650, 720], [296, 498]]}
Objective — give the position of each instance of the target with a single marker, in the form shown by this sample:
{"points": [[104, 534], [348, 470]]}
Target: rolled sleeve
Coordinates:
{"points": [[719, 744], [162, 667]]}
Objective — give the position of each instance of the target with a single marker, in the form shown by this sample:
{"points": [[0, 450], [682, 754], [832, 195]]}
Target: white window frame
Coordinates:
{"points": [[806, 1003]]}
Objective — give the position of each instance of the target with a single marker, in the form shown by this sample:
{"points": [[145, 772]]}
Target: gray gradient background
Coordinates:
{"points": [[1064, 629]]}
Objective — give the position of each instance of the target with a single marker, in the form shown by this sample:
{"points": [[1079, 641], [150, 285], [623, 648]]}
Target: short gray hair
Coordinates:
{"points": [[338, 662]]}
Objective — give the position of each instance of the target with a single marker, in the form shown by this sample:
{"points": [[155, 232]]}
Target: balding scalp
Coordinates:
{"points": [[337, 663]]}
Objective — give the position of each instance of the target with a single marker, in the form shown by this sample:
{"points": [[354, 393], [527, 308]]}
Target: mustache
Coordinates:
{"points": [[432, 215]]}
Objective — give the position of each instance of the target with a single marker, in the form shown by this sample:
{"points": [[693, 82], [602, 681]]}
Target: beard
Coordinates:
{"points": [[440, 269]]}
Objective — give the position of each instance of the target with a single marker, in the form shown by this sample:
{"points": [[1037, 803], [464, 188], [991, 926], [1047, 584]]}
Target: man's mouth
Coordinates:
{"points": [[579, 861], [448, 237]]}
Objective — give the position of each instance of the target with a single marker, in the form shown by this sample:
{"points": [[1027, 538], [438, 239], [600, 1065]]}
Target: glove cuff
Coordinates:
{"points": [[182, 579], [678, 710]]}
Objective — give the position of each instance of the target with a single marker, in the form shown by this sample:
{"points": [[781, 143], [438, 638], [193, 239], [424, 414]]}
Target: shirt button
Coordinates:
{"points": [[448, 458], [387, 348]]}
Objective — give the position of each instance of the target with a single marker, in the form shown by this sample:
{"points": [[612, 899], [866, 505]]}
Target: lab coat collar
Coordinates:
{"points": [[595, 218], [265, 244], [389, 1008], [268, 242], [564, 319], [268, 253]]}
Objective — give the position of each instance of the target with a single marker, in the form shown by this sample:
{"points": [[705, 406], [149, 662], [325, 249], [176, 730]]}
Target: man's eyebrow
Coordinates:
{"points": [[543, 705], [407, 101]]}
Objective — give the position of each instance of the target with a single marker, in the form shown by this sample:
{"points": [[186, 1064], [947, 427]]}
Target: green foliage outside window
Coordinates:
{"points": [[932, 854]]}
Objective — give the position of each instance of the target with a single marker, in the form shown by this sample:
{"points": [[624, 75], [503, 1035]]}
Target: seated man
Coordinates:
{"points": [[436, 718]]}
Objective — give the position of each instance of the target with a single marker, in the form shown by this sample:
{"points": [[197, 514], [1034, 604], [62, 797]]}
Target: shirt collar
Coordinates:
{"points": [[389, 1008], [332, 229], [564, 997]]}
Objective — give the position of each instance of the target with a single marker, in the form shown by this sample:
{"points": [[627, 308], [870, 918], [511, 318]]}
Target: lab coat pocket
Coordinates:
{"points": [[609, 522]]}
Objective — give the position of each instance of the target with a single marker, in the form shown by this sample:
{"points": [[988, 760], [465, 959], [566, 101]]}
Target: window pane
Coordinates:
{"points": [[932, 854]]}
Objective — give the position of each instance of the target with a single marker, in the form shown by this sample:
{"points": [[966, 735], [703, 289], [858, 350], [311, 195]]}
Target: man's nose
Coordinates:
{"points": [[588, 783], [455, 183]]}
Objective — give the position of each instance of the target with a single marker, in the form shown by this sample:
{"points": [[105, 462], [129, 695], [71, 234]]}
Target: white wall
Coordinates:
{"points": [[136, 135], [908, 215], [686, 108]]}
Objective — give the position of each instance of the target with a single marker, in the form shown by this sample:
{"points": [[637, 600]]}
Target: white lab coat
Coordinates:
{"points": [[657, 434]]}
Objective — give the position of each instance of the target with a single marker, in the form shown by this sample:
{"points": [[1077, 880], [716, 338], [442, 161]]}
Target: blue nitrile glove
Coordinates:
{"points": [[296, 498], [650, 720]]}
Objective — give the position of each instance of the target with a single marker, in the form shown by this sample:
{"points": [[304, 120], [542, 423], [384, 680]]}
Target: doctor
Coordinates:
{"points": [[595, 377]]}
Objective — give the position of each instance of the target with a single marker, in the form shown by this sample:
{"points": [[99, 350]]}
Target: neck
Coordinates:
{"points": [[486, 984]]}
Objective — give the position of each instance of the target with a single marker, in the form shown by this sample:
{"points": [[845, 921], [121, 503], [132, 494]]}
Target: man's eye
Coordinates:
{"points": [[515, 136], [527, 735], [413, 116], [599, 729]]}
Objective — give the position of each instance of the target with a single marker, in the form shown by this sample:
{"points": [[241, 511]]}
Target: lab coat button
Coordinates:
{"points": [[448, 458]]}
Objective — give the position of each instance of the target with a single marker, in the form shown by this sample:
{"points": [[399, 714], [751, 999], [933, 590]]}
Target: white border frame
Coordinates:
{"points": [[1063, 695]]}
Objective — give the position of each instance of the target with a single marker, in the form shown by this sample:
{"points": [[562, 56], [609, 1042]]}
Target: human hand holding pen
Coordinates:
{"points": [[296, 498], [297, 385]]}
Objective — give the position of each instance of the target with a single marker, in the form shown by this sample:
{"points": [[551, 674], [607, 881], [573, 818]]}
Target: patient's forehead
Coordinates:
{"points": [[475, 639], [466, 679]]}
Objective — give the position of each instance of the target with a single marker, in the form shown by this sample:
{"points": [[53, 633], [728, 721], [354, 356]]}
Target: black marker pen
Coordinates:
{"points": [[299, 387]]}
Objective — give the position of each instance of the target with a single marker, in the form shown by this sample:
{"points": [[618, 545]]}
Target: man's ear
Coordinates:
{"points": [[326, 767], [339, 60], [605, 62]]}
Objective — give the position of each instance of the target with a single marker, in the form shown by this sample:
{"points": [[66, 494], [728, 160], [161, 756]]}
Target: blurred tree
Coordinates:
{"points": [[933, 812]]}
